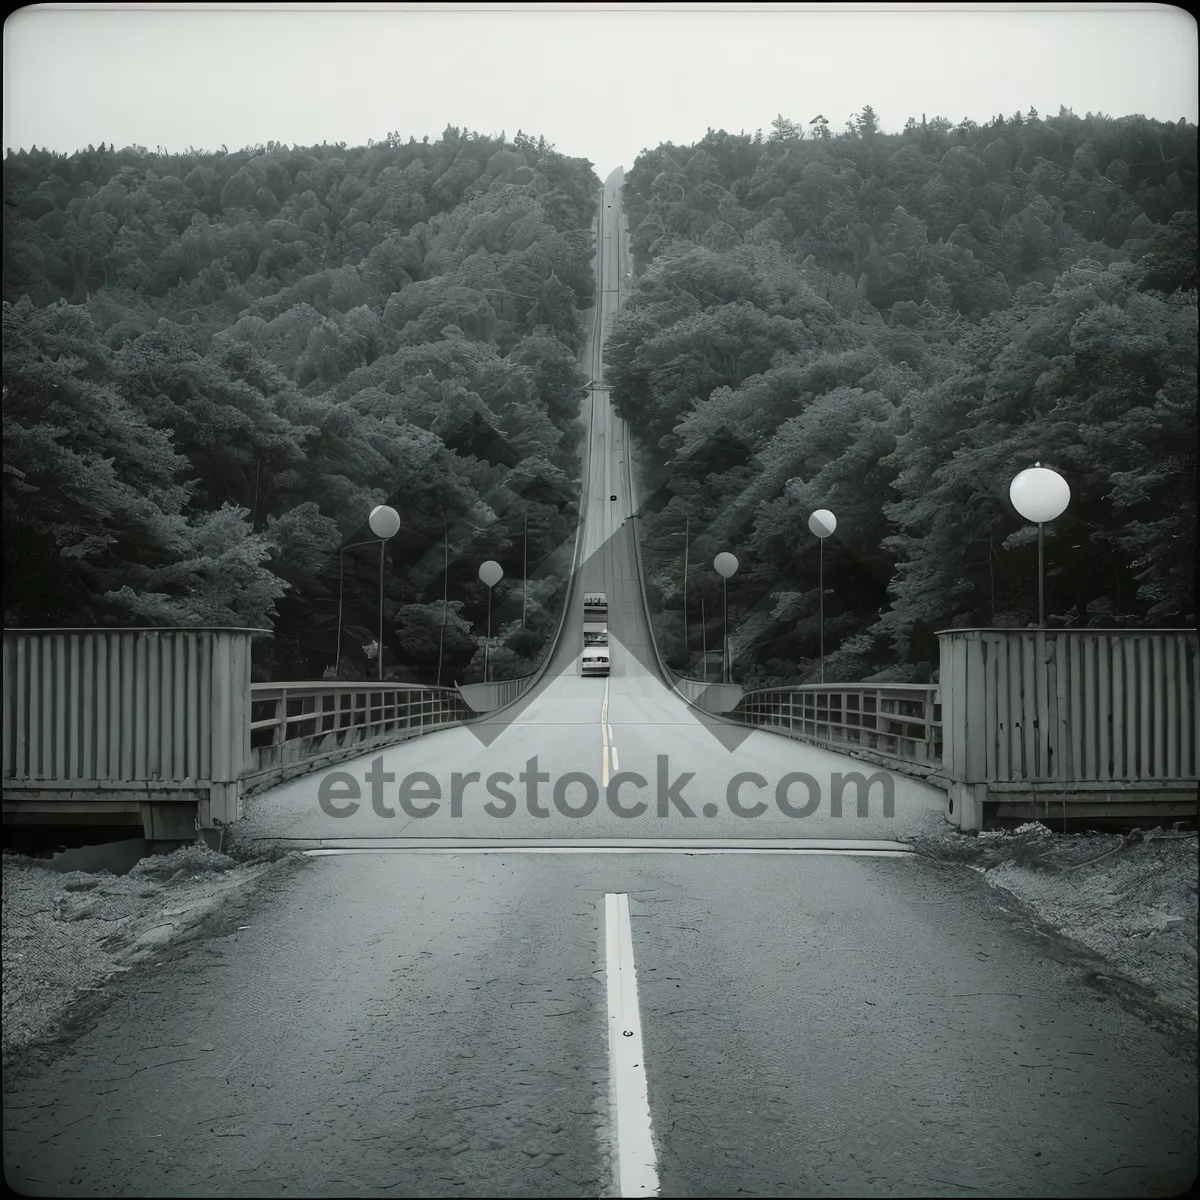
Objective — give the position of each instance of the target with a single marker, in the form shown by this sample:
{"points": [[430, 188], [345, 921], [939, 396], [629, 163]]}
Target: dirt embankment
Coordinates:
{"points": [[1130, 900], [66, 934]]}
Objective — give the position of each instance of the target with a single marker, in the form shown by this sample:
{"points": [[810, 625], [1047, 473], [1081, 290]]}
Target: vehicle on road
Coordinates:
{"points": [[595, 633], [594, 661]]}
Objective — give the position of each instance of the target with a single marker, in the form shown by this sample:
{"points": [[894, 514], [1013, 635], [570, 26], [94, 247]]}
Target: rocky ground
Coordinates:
{"points": [[66, 934], [1129, 899]]}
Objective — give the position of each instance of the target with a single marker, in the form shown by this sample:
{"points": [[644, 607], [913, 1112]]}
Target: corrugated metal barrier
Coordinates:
{"points": [[1071, 706], [122, 709]]}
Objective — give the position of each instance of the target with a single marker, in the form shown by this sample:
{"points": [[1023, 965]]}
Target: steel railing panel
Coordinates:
{"points": [[294, 723], [1070, 706], [896, 721], [102, 707]]}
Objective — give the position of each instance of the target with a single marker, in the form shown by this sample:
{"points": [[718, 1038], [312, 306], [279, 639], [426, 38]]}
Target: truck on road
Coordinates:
{"points": [[595, 657], [595, 607]]}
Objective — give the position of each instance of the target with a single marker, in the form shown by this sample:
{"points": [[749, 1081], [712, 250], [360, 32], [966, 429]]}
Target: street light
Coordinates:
{"points": [[822, 523], [1040, 495], [337, 665], [384, 523], [491, 573], [687, 527], [445, 590], [726, 564]]}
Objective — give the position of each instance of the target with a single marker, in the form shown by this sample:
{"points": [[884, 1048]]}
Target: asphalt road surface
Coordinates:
{"points": [[438, 1024], [435, 1025]]}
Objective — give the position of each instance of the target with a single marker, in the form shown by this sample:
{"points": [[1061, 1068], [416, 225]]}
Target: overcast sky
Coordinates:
{"points": [[600, 81]]}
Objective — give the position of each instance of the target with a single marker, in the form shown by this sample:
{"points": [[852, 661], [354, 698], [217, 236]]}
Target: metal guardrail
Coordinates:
{"points": [[711, 696], [497, 693], [901, 721], [297, 727]]}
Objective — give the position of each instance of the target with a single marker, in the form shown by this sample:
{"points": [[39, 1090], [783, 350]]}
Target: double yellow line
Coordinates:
{"points": [[608, 748]]}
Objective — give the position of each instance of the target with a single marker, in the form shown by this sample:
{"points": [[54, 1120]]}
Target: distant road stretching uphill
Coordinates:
{"points": [[628, 722]]}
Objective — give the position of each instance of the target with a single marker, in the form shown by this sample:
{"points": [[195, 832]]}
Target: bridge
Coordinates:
{"points": [[163, 728]]}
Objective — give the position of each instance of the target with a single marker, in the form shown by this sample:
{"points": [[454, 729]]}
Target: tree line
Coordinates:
{"points": [[892, 326], [217, 364]]}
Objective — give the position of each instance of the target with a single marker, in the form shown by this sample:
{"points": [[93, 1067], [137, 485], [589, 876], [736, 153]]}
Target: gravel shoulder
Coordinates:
{"points": [[66, 934], [1129, 900]]}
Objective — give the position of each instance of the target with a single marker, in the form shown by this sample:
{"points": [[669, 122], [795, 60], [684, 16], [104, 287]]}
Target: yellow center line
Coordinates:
{"points": [[604, 738]]}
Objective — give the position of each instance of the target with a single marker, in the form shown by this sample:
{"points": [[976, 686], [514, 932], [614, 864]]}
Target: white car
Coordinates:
{"points": [[595, 633], [594, 661]]}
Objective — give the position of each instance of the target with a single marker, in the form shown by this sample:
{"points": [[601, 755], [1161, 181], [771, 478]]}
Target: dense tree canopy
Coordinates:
{"points": [[216, 365], [892, 326]]}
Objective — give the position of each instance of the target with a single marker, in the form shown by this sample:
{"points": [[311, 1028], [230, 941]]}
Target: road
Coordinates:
{"points": [[630, 723], [429, 1025], [441, 1023]]}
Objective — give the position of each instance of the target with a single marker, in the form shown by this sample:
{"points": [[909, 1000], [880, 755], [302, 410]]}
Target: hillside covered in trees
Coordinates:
{"points": [[892, 326], [216, 365]]}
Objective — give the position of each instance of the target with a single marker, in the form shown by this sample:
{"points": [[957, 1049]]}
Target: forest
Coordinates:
{"points": [[217, 364], [891, 327]]}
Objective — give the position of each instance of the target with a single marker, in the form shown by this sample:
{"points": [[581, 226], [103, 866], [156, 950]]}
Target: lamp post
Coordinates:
{"points": [[726, 564], [337, 665], [822, 523], [445, 590], [687, 526], [525, 570], [1040, 495], [490, 573], [384, 523]]}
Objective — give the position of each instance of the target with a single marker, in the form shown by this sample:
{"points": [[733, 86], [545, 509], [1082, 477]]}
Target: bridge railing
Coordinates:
{"points": [[897, 721], [297, 727], [710, 696], [486, 697]]}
